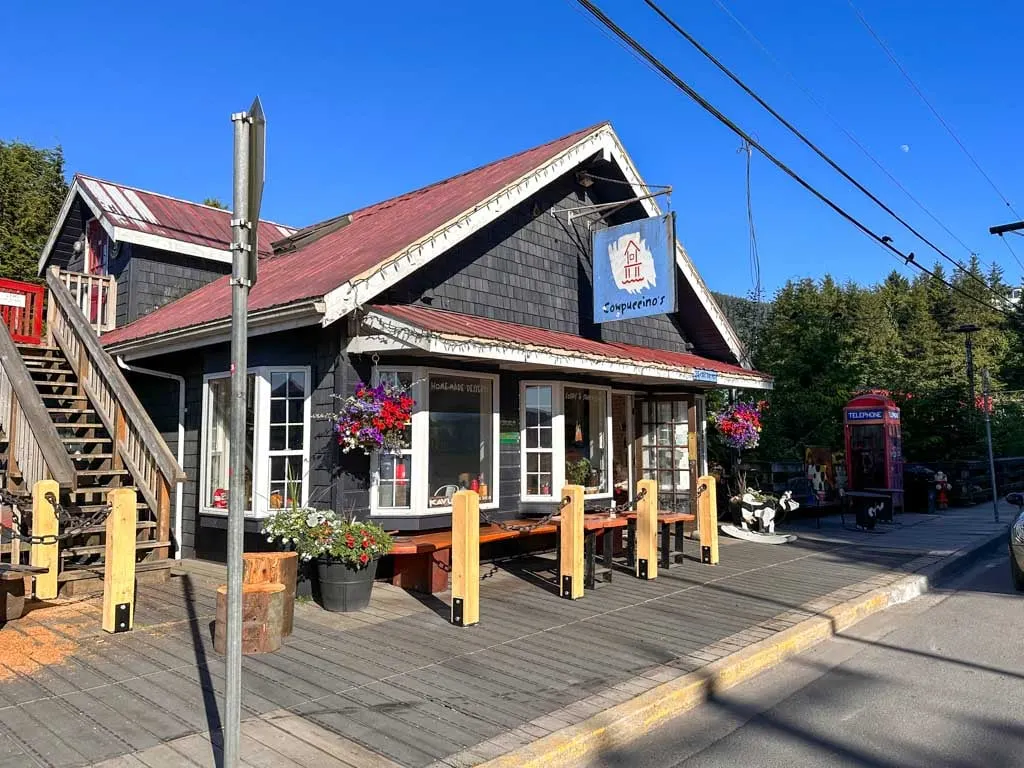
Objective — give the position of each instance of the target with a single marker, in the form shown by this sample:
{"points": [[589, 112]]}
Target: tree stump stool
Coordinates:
{"points": [[262, 618], [274, 568]]}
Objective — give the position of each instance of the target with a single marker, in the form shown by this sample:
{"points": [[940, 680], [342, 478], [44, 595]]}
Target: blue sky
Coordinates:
{"points": [[368, 100]]}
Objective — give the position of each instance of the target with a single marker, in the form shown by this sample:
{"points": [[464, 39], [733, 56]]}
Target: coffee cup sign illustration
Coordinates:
{"points": [[634, 269]]}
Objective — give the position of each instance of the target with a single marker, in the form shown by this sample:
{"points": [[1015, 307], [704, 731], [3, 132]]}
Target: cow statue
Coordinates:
{"points": [[762, 513]]}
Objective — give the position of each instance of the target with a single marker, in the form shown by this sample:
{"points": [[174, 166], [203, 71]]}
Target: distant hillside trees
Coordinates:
{"points": [[32, 190]]}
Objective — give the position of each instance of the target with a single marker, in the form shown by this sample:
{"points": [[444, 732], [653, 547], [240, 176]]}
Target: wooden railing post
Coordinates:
{"points": [[465, 558], [647, 530], [163, 517], [570, 532], [707, 519], [45, 523], [119, 562]]}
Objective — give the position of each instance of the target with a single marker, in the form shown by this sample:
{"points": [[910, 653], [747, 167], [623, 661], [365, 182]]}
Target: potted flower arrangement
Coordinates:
{"points": [[374, 418], [346, 552], [740, 427]]}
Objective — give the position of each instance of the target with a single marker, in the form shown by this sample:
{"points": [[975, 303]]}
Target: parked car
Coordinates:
{"points": [[1016, 542]]}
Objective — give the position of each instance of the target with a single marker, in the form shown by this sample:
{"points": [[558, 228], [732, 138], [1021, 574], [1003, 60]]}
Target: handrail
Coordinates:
{"points": [[33, 442], [140, 447], [95, 295]]}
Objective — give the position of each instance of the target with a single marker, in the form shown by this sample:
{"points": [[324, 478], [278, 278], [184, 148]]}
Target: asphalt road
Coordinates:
{"points": [[936, 682]]}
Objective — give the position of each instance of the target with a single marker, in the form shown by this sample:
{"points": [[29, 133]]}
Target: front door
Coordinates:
{"points": [[664, 449]]}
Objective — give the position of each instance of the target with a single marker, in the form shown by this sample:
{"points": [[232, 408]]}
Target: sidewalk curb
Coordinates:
{"points": [[623, 723]]}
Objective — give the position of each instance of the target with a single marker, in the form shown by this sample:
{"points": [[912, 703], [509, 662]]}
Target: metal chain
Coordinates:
{"points": [[73, 523], [525, 527]]}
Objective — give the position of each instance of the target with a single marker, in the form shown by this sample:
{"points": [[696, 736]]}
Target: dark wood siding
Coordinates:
{"points": [[63, 254], [533, 267], [159, 277]]}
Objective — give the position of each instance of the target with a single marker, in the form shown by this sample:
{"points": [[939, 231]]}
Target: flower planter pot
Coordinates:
{"points": [[343, 588]]}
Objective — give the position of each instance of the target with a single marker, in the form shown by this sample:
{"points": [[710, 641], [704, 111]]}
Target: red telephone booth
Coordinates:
{"points": [[874, 443]]}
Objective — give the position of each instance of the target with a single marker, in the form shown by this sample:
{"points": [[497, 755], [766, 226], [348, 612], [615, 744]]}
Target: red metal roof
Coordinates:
{"points": [[375, 234], [471, 327], [163, 216]]}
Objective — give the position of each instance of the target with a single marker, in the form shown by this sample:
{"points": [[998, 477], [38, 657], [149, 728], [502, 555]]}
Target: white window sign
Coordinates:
{"points": [[8, 299]]}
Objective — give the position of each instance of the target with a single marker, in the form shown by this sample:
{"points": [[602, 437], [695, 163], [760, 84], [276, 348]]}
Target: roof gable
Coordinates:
{"points": [[134, 215], [385, 242]]}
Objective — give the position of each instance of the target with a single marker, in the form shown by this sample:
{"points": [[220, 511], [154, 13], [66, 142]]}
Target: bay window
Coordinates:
{"points": [[565, 439], [450, 445], [276, 445]]}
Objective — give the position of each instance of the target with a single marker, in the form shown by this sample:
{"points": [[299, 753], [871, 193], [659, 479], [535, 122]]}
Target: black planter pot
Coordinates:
{"points": [[343, 588]]}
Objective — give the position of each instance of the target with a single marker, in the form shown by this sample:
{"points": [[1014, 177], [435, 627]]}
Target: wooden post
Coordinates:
{"points": [[647, 530], [570, 532], [465, 559], [163, 516], [120, 436], [707, 519], [274, 568], [119, 562], [44, 523]]}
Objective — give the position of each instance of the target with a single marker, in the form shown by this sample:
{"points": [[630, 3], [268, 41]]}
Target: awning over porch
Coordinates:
{"points": [[418, 329]]}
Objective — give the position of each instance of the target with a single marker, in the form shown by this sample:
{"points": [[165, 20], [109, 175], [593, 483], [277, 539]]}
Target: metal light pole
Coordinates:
{"points": [[988, 437], [248, 187], [968, 330]]}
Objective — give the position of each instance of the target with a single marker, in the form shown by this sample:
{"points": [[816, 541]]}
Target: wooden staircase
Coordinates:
{"points": [[67, 414], [90, 447]]}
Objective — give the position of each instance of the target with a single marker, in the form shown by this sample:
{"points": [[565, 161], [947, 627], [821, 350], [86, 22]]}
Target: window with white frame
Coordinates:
{"points": [[451, 443], [277, 439], [565, 439]]}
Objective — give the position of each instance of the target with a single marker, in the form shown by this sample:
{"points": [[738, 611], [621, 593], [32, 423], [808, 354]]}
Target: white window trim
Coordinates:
{"points": [[261, 439], [630, 396], [558, 438], [419, 492]]}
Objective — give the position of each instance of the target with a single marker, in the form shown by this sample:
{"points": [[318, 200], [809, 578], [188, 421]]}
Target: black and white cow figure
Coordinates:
{"points": [[761, 514]]}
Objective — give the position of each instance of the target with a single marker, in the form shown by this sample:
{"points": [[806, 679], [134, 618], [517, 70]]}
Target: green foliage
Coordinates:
{"points": [[578, 472], [823, 342], [215, 202], [32, 190]]}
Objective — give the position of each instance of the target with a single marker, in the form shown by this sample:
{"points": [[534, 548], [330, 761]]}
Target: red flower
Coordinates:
{"points": [[365, 543], [364, 558]]}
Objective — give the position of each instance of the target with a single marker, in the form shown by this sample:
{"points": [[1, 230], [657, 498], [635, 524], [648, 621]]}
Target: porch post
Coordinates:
{"points": [[647, 530], [465, 558], [570, 532]]}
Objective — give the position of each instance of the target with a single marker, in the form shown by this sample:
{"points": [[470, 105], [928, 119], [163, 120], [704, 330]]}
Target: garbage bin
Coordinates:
{"points": [[917, 485]]}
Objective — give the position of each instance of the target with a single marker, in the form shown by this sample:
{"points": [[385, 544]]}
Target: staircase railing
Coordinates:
{"points": [[139, 447], [96, 296], [34, 449]]}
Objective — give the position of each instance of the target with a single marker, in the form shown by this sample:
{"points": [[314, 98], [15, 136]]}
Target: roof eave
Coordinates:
{"points": [[261, 322]]}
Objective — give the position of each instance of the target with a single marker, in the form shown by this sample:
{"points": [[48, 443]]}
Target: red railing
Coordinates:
{"points": [[21, 306]]}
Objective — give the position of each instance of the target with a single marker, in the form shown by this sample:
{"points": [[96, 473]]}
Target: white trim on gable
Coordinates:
{"points": [[365, 287], [122, 235]]}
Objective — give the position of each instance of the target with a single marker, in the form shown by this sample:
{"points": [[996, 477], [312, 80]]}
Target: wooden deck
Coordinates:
{"points": [[398, 682]]}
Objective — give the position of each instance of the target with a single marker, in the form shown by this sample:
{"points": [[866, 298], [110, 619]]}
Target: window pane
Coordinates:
{"points": [[680, 433], [278, 412], [297, 384], [460, 437], [278, 384], [218, 449], [277, 438], [586, 438], [296, 410], [295, 437]]}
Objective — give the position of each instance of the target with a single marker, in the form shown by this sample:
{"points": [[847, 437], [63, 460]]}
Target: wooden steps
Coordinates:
{"points": [[99, 549]]}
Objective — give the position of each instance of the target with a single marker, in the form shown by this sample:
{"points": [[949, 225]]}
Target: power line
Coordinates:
{"points": [[1012, 252], [755, 258], [814, 147], [849, 134], [672, 77], [934, 111]]}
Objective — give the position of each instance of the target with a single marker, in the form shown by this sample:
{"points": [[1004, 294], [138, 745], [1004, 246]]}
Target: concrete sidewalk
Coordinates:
{"points": [[540, 679]]}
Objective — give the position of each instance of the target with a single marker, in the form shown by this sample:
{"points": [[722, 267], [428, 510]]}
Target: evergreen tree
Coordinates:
{"points": [[32, 190]]}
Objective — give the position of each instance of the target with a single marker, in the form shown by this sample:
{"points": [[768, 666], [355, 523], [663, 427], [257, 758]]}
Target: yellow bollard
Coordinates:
{"points": [[707, 519], [44, 523], [570, 533], [119, 562], [465, 558], [647, 530]]}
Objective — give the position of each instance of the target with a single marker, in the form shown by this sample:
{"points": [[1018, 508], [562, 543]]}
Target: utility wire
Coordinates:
{"points": [[1012, 252], [814, 147], [755, 258], [672, 77], [849, 134], [934, 111]]}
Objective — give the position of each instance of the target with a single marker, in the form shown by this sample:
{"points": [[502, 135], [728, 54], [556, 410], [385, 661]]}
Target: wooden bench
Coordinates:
{"points": [[12, 589], [667, 523], [422, 561]]}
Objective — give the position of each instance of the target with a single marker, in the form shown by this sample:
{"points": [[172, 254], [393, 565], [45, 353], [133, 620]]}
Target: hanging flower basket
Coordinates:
{"points": [[740, 425], [373, 419]]}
